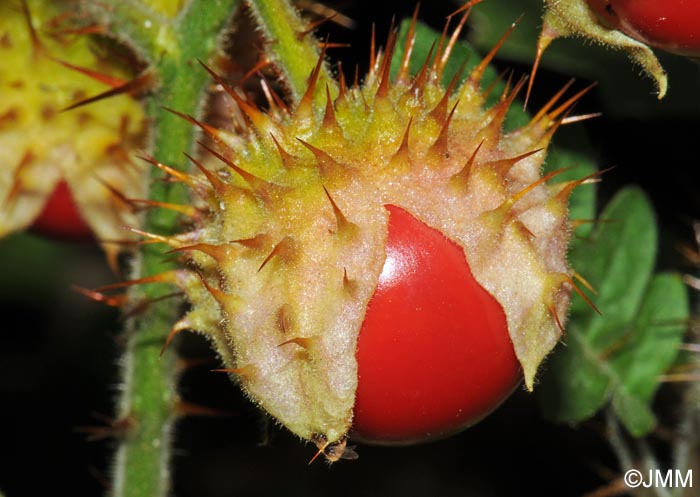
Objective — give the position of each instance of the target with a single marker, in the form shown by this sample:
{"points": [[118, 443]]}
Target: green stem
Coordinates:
{"points": [[148, 398], [289, 49]]}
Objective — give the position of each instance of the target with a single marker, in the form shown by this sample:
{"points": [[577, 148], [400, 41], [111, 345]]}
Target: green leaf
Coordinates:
{"points": [[651, 347], [619, 354]]}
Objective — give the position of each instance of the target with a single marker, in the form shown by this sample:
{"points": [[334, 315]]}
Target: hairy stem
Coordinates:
{"points": [[292, 51], [148, 398]]}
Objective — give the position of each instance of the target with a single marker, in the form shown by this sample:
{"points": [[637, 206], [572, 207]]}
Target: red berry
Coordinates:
{"points": [[672, 25], [434, 355], [61, 218]]}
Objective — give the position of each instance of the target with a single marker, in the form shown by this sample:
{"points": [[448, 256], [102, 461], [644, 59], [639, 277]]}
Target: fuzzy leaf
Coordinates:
{"points": [[618, 355], [650, 349]]}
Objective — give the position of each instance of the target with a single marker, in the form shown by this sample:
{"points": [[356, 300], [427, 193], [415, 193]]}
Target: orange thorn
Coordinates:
{"points": [[326, 163], [225, 300], [585, 283], [184, 408], [588, 301], [219, 80], [553, 311], [110, 300], [211, 176], [404, 69], [329, 119], [580, 118], [273, 99], [453, 39], [440, 111], [256, 243], [504, 165], [421, 78], [321, 450], [184, 177], [185, 210], [288, 160], [92, 29], [441, 43], [133, 87], [152, 236], [180, 326], [284, 249], [551, 102], [118, 194], [343, 224], [112, 81], [402, 153], [210, 131], [478, 72], [463, 174], [441, 144], [305, 107], [326, 44], [570, 102], [143, 304], [466, 6], [385, 71], [170, 276], [341, 81], [216, 252], [569, 187], [261, 64], [504, 103], [247, 371], [546, 37], [258, 184], [508, 204], [312, 26]]}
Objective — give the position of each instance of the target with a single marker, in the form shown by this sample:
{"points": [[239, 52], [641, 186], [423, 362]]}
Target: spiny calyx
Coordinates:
{"points": [[292, 244]]}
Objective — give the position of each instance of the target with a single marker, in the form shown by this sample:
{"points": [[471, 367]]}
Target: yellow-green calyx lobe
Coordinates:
{"points": [[292, 242]]}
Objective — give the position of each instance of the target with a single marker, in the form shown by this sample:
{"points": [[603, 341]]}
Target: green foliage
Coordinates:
{"points": [[618, 355]]}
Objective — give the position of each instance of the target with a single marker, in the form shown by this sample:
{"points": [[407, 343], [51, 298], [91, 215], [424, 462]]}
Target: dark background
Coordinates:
{"points": [[59, 354]]}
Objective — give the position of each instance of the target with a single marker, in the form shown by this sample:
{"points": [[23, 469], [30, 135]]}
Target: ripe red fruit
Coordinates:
{"points": [[672, 25], [60, 217], [434, 355]]}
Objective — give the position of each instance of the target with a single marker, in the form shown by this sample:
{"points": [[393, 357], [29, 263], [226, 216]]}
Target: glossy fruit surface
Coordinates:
{"points": [[60, 217], [434, 354], [672, 25]]}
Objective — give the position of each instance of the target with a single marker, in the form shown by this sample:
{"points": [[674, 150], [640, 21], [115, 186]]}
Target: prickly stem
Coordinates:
{"points": [[142, 460]]}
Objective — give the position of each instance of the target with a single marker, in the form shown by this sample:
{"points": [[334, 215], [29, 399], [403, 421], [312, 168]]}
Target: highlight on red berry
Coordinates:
{"points": [[434, 355], [671, 25]]}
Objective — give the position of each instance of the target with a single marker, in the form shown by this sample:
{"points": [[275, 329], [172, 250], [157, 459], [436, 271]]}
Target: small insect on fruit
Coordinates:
{"points": [[382, 260]]}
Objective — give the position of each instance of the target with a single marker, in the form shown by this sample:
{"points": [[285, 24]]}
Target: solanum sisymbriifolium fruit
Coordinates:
{"points": [[392, 224], [65, 172]]}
